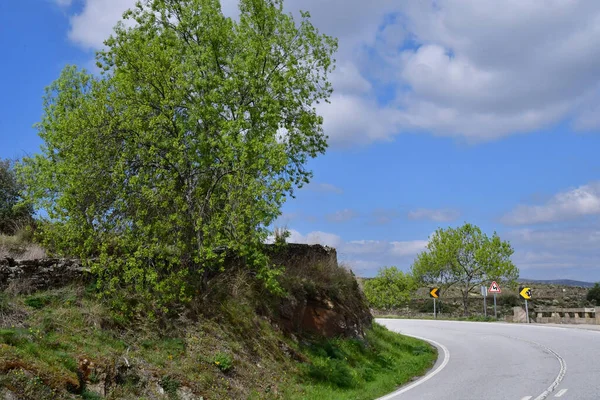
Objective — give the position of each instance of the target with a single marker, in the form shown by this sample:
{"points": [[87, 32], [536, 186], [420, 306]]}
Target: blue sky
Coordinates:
{"points": [[462, 111]]}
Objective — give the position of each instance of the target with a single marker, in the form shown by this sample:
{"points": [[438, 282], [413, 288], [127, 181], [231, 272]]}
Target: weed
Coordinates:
{"points": [[368, 373], [5, 306], [93, 378], [223, 362], [332, 371], [88, 395], [38, 301], [170, 385], [13, 337]]}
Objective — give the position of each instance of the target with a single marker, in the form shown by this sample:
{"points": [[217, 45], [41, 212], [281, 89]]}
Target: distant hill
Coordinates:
{"points": [[563, 282]]}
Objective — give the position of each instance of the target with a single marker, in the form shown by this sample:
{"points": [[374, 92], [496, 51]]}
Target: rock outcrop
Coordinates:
{"points": [[324, 298]]}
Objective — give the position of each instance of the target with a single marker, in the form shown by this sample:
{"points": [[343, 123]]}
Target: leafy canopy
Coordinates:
{"points": [[466, 257], [390, 288], [189, 142]]}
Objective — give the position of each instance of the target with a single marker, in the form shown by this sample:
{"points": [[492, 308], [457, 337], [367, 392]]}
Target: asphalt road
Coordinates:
{"points": [[499, 361]]}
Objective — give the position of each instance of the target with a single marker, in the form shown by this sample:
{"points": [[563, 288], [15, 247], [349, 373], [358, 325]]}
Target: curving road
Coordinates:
{"points": [[500, 361]]}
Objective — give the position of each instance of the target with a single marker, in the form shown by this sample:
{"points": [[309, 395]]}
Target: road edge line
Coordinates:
{"points": [[427, 376]]}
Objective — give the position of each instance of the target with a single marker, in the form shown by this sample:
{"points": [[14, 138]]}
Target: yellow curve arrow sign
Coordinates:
{"points": [[434, 292], [525, 293]]}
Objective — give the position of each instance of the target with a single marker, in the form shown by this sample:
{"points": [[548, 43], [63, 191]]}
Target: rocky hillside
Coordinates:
{"points": [[235, 341]]}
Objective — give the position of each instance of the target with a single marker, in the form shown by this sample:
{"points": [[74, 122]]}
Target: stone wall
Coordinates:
{"points": [[296, 256], [40, 274]]}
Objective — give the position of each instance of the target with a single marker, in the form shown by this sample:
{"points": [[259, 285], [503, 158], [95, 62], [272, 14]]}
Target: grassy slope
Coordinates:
{"points": [[45, 337]]}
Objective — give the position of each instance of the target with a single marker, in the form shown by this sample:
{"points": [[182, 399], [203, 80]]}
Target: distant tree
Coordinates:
{"points": [[198, 129], [13, 212], [389, 289], [593, 294], [465, 257]]}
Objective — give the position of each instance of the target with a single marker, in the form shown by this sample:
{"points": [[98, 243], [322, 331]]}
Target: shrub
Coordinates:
{"points": [[425, 306], [37, 302], [223, 362], [170, 385], [87, 395], [510, 300], [593, 295], [390, 288]]}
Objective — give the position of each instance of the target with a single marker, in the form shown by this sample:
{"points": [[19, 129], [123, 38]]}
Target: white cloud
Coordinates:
{"points": [[560, 251], [437, 215], [350, 119], [342, 216], [561, 239], [64, 3], [582, 201], [469, 78], [410, 248], [348, 79], [475, 69], [91, 27]]}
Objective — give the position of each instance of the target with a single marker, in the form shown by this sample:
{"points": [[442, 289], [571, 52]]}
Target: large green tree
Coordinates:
{"points": [[190, 141], [465, 257], [390, 288]]}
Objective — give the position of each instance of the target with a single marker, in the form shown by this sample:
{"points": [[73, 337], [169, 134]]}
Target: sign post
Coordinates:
{"points": [[434, 293], [525, 293], [484, 294], [495, 288]]}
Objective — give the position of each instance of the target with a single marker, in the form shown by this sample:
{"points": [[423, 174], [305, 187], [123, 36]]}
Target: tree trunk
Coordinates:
{"points": [[465, 293], [465, 296]]}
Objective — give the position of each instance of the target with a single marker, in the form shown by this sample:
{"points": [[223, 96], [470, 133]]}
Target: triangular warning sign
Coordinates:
{"points": [[495, 288]]}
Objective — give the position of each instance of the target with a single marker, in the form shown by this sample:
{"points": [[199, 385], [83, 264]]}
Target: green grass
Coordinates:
{"points": [[235, 354], [353, 369]]}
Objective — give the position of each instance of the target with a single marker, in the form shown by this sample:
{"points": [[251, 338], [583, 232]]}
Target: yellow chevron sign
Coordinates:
{"points": [[434, 292], [525, 293]]}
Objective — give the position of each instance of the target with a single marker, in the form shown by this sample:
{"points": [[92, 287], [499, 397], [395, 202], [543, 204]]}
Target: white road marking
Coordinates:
{"points": [[561, 392], [561, 373], [561, 361], [426, 377], [559, 377], [526, 397]]}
